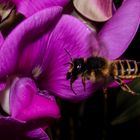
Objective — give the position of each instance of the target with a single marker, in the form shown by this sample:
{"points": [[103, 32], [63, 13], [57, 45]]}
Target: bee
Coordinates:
{"points": [[99, 69]]}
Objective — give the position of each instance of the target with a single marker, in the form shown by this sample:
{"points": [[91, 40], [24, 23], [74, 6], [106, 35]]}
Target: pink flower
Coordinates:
{"points": [[12, 12], [29, 108], [33, 56], [29, 7]]}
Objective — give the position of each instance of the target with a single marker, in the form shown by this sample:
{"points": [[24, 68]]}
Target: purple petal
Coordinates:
{"points": [[32, 55], [24, 34], [27, 104], [3, 83], [23, 6], [38, 134], [72, 35], [1, 40], [11, 128], [119, 31], [96, 10]]}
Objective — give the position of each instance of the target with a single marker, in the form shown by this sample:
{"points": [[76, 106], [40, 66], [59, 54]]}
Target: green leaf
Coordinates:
{"points": [[127, 105]]}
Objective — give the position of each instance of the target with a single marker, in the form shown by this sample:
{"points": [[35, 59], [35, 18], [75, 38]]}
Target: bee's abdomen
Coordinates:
{"points": [[127, 69]]}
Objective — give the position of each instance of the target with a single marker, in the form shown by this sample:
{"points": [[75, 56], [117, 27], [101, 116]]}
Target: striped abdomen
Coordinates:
{"points": [[126, 69]]}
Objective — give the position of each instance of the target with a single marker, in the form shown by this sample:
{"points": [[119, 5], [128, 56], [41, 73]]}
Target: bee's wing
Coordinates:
{"points": [[98, 48], [103, 50]]}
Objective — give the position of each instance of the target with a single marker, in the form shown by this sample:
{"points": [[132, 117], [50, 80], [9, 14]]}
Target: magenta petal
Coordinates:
{"points": [[23, 34], [11, 128], [32, 55], [2, 85], [119, 31], [38, 134], [73, 36], [1, 40], [27, 104], [23, 6], [96, 10]]}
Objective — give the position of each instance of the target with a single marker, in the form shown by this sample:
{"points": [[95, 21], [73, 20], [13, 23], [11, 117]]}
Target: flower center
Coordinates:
{"points": [[36, 72]]}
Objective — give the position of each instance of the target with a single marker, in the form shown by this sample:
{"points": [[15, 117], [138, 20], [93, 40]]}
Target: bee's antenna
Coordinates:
{"points": [[68, 63], [71, 63], [68, 54]]}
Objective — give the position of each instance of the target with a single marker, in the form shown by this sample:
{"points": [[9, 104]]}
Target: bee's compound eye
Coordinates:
{"points": [[69, 75]]}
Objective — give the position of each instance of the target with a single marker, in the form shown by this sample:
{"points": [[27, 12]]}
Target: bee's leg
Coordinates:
{"points": [[71, 82], [105, 91], [84, 82], [124, 86]]}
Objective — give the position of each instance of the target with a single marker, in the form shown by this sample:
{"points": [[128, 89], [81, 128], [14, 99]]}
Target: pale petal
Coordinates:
{"points": [[96, 10]]}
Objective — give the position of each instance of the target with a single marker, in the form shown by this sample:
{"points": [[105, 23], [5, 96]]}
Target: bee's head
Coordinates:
{"points": [[76, 68]]}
